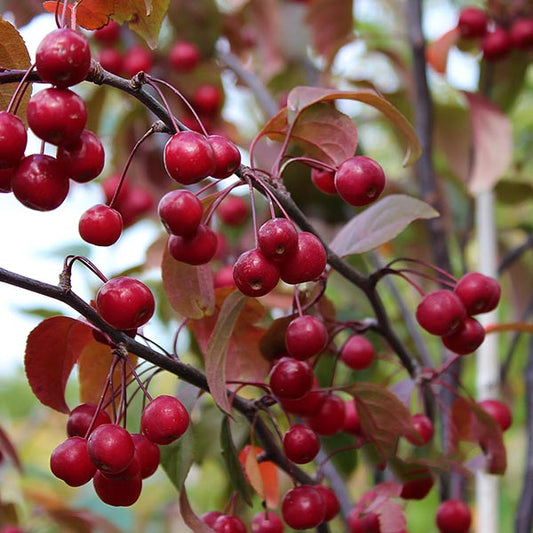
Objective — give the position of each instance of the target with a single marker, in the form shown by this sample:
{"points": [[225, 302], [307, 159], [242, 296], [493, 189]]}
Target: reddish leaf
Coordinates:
{"points": [[437, 51], [380, 223], [189, 516], [7, 447], [189, 288], [52, 350], [90, 14]]}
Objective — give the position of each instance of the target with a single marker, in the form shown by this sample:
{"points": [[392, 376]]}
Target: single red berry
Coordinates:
{"points": [[125, 303], [164, 419], [137, 59], [267, 522], [229, 524], [417, 485], [467, 338], [100, 225], [306, 336], [223, 277], [83, 417], [453, 516], [83, 158], [277, 238], [111, 60], [233, 210], [254, 274], [63, 58], [324, 180], [40, 183], [148, 454], [188, 157], [110, 448], [198, 249], [57, 116], [117, 492], [227, 156], [440, 312], [352, 422], [306, 262], [301, 444], [330, 500], [363, 523], [521, 33], [184, 56], [479, 293], [70, 462], [472, 22], [291, 378], [496, 44], [207, 99], [423, 427], [359, 180], [357, 352], [108, 34], [303, 507], [6, 174], [210, 517], [329, 417], [13, 139], [499, 411], [180, 212]]}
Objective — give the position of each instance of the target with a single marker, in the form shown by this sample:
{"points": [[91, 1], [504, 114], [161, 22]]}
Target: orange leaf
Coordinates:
{"points": [[90, 14], [437, 51]]}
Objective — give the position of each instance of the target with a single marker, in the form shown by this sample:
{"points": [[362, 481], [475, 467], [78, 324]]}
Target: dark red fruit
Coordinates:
{"points": [[63, 58], [307, 404], [324, 180], [184, 56], [198, 249], [229, 524], [267, 522], [207, 99], [254, 274], [188, 157], [13, 139], [499, 411], [82, 417], [305, 337], [359, 180], [233, 210], [224, 277], [111, 60], [125, 303], [330, 500], [440, 312], [134, 205], [424, 428], [180, 212], [300, 444], [40, 183], [328, 419], [357, 352], [83, 158], [479, 293], [418, 485], [453, 516], [352, 422], [147, 453], [71, 463], [363, 523], [210, 517], [57, 116], [137, 59], [117, 492], [110, 448], [108, 34], [472, 22], [303, 507], [306, 262], [291, 378], [6, 174], [227, 156], [467, 338], [496, 45], [277, 238], [521, 33], [164, 419], [100, 225]]}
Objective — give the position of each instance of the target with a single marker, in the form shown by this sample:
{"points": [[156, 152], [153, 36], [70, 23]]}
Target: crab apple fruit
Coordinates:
{"points": [[328, 419], [254, 274], [13, 139], [223, 277], [108, 34], [267, 522], [117, 492], [440, 312], [467, 338], [290, 378], [472, 22], [125, 303], [164, 419], [134, 205], [110, 448], [40, 183], [210, 517], [479, 293], [357, 352], [57, 116], [100, 225], [111, 60], [184, 56], [363, 523], [227, 156], [303, 507], [70, 462], [137, 59], [499, 411], [453, 516], [352, 422], [148, 454], [306, 262], [188, 157], [6, 174], [418, 485], [207, 99], [330, 501], [423, 427], [521, 33], [359, 180], [63, 58], [306, 336], [180, 212], [301, 444], [233, 210], [198, 249], [84, 417], [496, 44], [277, 238], [228, 524], [324, 180], [83, 158], [307, 404]]}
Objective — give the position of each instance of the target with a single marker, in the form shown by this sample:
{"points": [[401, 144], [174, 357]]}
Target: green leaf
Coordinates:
{"points": [[178, 457]]}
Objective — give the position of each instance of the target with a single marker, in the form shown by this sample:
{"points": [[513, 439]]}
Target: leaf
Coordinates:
{"points": [[379, 223], [189, 517], [90, 14], [493, 143], [6, 446], [235, 471], [189, 288], [438, 50], [13, 55], [177, 459], [52, 350], [251, 469]]}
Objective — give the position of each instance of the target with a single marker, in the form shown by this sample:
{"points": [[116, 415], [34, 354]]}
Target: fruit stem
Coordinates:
{"points": [[313, 163], [18, 93], [66, 273]]}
